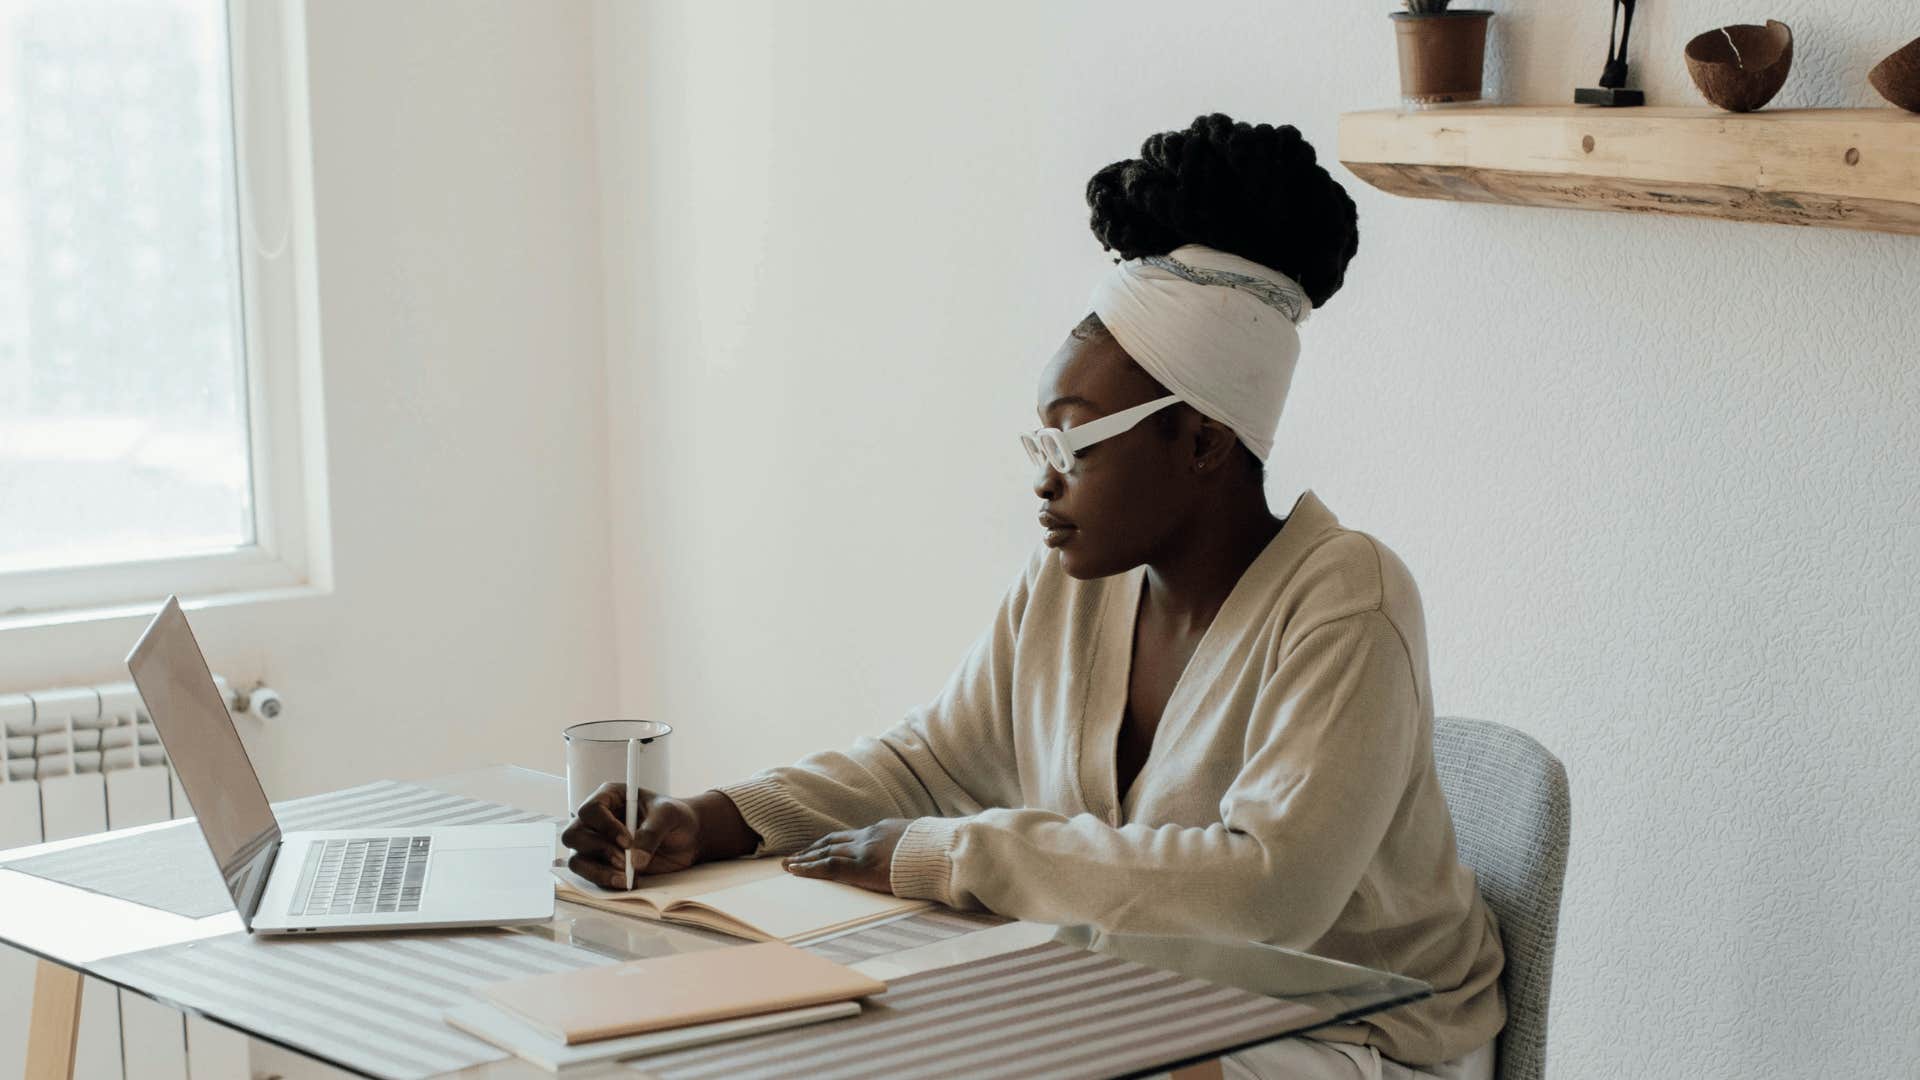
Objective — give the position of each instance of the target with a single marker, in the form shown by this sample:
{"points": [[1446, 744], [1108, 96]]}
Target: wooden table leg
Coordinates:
{"points": [[1206, 1070], [54, 1029]]}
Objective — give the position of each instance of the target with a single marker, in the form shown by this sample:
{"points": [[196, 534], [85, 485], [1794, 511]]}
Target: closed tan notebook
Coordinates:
{"points": [[663, 992]]}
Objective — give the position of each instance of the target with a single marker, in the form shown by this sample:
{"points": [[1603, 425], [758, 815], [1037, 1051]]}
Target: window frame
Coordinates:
{"points": [[268, 88]]}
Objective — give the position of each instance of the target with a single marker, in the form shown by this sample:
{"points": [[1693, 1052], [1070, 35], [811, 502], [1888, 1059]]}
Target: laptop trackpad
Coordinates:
{"points": [[473, 870], [511, 877]]}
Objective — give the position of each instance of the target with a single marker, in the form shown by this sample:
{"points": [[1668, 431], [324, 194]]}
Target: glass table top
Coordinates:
{"points": [[1329, 991]]}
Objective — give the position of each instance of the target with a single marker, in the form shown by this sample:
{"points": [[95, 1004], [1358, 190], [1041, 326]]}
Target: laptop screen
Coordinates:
{"points": [[207, 754]]}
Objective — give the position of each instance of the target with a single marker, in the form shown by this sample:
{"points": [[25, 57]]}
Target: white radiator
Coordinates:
{"points": [[76, 761]]}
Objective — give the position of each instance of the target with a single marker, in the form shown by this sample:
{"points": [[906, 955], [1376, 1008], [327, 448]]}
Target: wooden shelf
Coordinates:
{"points": [[1845, 168]]}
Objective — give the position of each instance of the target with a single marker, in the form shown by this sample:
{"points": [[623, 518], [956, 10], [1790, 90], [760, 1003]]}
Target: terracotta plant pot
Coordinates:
{"points": [[1740, 68], [1442, 55], [1898, 76]]}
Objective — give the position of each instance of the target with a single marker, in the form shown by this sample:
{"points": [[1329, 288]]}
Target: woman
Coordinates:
{"points": [[1188, 717]]}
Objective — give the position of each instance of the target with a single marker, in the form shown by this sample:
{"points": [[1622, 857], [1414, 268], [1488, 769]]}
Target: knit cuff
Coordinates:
{"points": [[923, 862], [783, 824]]}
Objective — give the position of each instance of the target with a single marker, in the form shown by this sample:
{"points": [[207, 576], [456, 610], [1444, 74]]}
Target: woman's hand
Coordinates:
{"points": [[862, 857], [670, 834], [666, 837]]}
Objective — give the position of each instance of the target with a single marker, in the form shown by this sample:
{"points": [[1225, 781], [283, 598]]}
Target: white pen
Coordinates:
{"points": [[633, 770]]}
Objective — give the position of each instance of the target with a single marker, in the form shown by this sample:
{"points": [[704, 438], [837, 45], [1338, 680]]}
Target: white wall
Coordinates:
{"points": [[461, 323], [1655, 477]]}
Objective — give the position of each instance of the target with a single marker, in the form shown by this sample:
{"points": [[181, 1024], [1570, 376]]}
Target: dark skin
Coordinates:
{"points": [[1176, 493]]}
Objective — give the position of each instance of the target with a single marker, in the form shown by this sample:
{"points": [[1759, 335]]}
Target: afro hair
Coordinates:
{"points": [[1253, 190]]}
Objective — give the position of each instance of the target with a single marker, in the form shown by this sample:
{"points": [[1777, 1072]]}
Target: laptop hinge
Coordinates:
{"points": [[259, 883]]}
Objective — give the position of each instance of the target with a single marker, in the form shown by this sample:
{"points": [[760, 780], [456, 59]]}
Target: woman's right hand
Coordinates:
{"points": [[666, 837]]}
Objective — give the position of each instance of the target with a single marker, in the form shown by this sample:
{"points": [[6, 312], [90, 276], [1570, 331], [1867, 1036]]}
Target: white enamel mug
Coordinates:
{"points": [[597, 754]]}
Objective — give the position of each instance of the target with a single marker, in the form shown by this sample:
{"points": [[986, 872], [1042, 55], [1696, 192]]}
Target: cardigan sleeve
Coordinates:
{"points": [[1330, 747], [949, 757]]}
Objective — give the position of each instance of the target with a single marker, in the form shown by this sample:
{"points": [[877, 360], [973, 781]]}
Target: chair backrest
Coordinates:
{"points": [[1511, 816]]}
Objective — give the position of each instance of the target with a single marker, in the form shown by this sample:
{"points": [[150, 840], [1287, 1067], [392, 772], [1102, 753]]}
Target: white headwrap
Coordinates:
{"points": [[1217, 329]]}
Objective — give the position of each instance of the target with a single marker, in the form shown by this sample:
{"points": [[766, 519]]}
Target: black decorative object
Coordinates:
{"points": [[1613, 81]]}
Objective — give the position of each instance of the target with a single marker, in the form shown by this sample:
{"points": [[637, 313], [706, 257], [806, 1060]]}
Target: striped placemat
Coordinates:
{"points": [[372, 1003], [1046, 1011], [172, 870], [906, 932]]}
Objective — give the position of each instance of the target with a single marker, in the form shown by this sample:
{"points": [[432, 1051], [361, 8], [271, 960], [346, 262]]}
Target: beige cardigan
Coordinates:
{"points": [[1289, 796]]}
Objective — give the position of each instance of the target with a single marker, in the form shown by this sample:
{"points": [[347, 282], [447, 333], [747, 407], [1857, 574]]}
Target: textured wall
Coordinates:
{"points": [[1656, 477]]}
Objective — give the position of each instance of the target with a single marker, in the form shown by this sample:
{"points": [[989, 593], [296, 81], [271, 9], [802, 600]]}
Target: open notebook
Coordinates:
{"points": [[749, 898]]}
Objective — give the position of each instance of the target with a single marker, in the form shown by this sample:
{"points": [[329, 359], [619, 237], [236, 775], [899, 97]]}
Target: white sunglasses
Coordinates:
{"points": [[1055, 447]]}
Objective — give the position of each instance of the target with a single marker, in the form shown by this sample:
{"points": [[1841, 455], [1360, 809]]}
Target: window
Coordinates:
{"points": [[155, 302]]}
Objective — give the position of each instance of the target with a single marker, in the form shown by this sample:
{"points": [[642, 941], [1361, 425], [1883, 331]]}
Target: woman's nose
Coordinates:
{"points": [[1048, 484]]}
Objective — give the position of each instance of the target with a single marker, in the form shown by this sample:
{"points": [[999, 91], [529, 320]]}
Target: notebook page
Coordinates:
{"points": [[663, 889]]}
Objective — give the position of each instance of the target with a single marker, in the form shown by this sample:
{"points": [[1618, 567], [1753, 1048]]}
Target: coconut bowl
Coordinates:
{"points": [[1898, 76], [1740, 68]]}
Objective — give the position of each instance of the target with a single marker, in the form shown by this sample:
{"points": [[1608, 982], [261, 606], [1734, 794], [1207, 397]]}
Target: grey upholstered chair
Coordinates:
{"points": [[1508, 796]]}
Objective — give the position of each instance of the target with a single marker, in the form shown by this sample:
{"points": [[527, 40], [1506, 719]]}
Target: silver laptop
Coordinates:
{"points": [[331, 880]]}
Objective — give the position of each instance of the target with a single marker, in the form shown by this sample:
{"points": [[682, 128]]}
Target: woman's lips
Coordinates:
{"points": [[1056, 537]]}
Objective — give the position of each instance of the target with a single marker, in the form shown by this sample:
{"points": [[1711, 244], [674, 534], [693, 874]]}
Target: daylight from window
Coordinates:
{"points": [[123, 399]]}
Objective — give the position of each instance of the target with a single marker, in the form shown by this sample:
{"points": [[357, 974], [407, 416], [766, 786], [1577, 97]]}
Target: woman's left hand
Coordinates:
{"points": [[862, 857]]}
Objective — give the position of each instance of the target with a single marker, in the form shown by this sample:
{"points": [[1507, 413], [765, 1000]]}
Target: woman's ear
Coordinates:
{"points": [[1213, 444]]}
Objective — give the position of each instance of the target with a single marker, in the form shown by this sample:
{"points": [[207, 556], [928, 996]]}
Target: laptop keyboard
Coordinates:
{"points": [[367, 876]]}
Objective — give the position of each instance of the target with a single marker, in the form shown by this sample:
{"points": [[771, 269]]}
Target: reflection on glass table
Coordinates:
{"points": [[1339, 990]]}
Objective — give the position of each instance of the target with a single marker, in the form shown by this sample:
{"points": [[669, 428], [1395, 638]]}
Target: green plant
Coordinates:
{"points": [[1427, 7]]}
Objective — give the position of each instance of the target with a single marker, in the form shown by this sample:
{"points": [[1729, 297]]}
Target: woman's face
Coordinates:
{"points": [[1126, 494]]}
